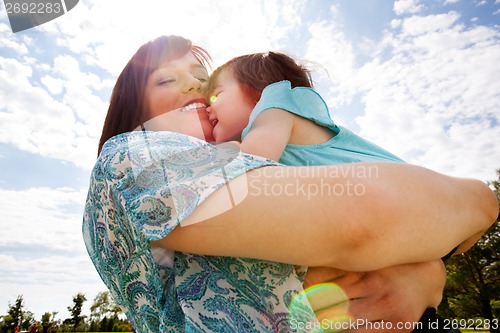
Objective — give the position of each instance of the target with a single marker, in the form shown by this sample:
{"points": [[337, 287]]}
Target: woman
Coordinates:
{"points": [[145, 183]]}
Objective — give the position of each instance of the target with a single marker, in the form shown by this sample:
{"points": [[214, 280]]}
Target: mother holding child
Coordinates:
{"points": [[184, 246]]}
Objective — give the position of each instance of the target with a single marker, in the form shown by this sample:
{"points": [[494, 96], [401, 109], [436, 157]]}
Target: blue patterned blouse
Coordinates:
{"points": [[142, 186]]}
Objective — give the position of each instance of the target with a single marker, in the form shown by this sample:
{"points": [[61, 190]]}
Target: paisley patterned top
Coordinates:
{"points": [[142, 186]]}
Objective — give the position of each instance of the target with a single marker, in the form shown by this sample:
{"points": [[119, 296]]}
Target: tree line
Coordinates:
{"points": [[104, 317], [472, 291]]}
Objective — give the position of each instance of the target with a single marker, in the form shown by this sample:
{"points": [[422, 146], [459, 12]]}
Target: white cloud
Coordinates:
{"points": [[42, 245], [447, 2], [407, 7], [249, 27], [7, 40], [109, 40], [418, 25], [54, 85], [395, 23], [437, 94], [48, 284], [65, 128], [329, 47], [43, 214]]}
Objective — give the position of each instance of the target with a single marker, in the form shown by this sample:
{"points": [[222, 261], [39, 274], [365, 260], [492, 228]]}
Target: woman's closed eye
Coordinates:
{"points": [[169, 80], [200, 74], [166, 81]]}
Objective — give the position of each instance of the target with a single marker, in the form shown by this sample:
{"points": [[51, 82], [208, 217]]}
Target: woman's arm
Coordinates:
{"points": [[357, 217]]}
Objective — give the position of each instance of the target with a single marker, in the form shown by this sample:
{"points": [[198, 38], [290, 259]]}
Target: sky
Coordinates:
{"points": [[419, 78]]}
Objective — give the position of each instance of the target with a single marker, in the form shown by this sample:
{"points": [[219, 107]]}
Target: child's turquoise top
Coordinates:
{"points": [[344, 147]]}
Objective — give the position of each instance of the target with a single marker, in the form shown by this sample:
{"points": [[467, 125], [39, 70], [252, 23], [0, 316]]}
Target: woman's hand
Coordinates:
{"points": [[397, 295]]}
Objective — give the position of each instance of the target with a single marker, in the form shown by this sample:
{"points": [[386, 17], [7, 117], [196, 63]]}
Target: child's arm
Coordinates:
{"points": [[269, 134]]}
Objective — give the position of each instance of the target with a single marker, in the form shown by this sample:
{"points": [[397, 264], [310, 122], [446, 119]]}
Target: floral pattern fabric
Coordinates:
{"points": [[143, 185]]}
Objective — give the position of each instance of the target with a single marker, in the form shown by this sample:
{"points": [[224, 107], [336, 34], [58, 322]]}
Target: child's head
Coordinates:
{"points": [[235, 87]]}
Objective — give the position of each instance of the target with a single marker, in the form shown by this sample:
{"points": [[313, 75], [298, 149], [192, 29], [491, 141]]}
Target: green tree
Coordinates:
{"points": [[14, 316], [473, 283], [28, 319], [104, 306], [6, 324], [104, 313], [122, 325], [16, 311], [47, 321], [76, 311]]}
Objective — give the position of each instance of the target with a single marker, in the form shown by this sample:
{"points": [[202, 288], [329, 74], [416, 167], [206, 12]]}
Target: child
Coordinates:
{"points": [[252, 100]]}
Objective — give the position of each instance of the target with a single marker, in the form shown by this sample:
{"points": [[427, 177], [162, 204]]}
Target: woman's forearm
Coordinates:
{"points": [[356, 217], [427, 214]]}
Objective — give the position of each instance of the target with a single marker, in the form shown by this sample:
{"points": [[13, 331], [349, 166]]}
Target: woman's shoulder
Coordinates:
{"points": [[140, 147], [144, 139], [129, 154]]}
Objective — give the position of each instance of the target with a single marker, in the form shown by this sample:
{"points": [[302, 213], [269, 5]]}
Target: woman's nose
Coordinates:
{"points": [[191, 85]]}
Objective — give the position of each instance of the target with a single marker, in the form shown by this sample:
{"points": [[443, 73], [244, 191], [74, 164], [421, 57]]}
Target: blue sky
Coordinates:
{"points": [[419, 78]]}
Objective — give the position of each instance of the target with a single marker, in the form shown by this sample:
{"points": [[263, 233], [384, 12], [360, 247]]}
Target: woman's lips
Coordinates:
{"points": [[194, 106], [201, 109]]}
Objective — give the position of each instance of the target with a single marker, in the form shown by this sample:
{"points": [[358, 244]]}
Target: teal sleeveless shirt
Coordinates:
{"points": [[344, 147]]}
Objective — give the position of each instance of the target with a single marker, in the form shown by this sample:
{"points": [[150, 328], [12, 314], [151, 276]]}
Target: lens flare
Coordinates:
{"points": [[330, 305]]}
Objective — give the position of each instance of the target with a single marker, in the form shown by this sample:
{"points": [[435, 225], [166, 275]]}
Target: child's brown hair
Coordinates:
{"points": [[256, 71]]}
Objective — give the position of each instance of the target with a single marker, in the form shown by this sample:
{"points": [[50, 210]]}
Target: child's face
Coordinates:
{"points": [[229, 108]]}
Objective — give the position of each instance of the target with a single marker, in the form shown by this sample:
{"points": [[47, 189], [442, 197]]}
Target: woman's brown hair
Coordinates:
{"points": [[125, 111], [258, 70]]}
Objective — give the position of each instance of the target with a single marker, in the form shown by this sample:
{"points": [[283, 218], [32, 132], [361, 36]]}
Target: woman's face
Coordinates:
{"points": [[229, 108], [174, 101]]}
